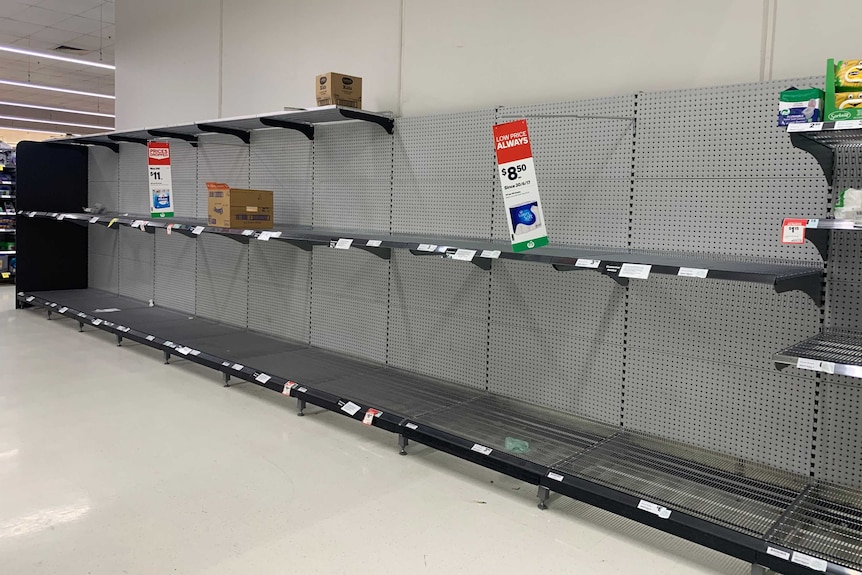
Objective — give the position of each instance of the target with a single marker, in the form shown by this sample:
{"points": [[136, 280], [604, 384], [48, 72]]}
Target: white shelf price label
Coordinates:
{"points": [[490, 254], [805, 127], [248, 232], [61, 217], [150, 337], [778, 553], [693, 272], [198, 230], [585, 263], [481, 449], [370, 415], [350, 408], [195, 352], [815, 365], [238, 366], [636, 271], [662, 512], [63, 310], [464, 255], [412, 426], [373, 243], [848, 124], [343, 244], [123, 329], [812, 223], [97, 322], [288, 385], [262, 378], [793, 231], [264, 236], [29, 299], [426, 248], [184, 350], [555, 476], [812, 563]]}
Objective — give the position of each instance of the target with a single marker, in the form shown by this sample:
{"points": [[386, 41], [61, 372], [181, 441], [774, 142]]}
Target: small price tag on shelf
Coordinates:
{"points": [[350, 408], [63, 310], [150, 337], [198, 230], [662, 512], [692, 272], [812, 223], [287, 387], [123, 329], [812, 563], [490, 254], [169, 228], [29, 299], [94, 219], [412, 426], [195, 352], [61, 217], [369, 416], [170, 344], [793, 230], [373, 243], [481, 449], [585, 263], [238, 366], [5, 275], [848, 124], [262, 378], [555, 476], [636, 271], [778, 553], [343, 244], [184, 350], [805, 127], [97, 322], [815, 365], [464, 255], [248, 232], [426, 248]]}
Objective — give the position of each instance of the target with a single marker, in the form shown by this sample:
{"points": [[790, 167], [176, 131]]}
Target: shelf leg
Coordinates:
{"points": [[119, 340], [758, 569], [544, 494], [403, 442], [80, 326], [226, 377], [49, 315], [300, 406], [167, 358]]}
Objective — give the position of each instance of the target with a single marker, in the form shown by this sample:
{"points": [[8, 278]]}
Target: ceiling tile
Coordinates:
{"points": [[71, 6], [18, 28], [105, 13], [41, 16], [53, 36], [87, 42], [11, 9], [80, 25]]}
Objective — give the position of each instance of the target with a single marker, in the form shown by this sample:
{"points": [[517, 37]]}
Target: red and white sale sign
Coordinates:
{"points": [[517, 175], [793, 231], [159, 168]]}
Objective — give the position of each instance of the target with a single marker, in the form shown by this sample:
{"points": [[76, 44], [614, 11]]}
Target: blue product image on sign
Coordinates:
{"points": [[523, 215], [161, 199]]}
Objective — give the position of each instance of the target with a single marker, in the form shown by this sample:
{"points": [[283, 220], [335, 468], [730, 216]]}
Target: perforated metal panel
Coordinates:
{"points": [[438, 320], [352, 177], [583, 166], [714, 173], [838, 456], [175, 271], [221, 286], [133, 179], [104, 264], [221, 158], [443, 169], [281, 161], [136, 263], [556, 339], [844, 302], [184, 179], [349, 297], [278, 290], [104, 177]]}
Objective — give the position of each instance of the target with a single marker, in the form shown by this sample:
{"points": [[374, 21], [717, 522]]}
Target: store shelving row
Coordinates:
{"points": [[620, 265], [766, 516]]}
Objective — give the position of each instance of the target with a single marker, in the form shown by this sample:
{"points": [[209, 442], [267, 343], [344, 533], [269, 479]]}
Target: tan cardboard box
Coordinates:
{"points": [[238, 208], [339, 89]]}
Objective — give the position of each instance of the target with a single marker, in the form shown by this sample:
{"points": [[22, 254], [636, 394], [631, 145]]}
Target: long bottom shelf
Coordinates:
{"points": [[783, 521]]}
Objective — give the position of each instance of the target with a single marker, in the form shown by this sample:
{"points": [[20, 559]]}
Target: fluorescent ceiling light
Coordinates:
{"points": [[53, 123], [52, 56], [52, 109], [55, 89], [19, 129]]}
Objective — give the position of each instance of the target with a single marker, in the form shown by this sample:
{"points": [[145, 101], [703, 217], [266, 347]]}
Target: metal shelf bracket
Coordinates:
{"points": [[306, 129], [243, 135], [193, 140], [387, 124], [824, 155]]}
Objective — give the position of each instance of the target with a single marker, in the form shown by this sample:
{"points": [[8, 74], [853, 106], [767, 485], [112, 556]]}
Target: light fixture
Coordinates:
{"points": [[50, 56], [20, 129], [55, 89], [51, 109], [54, 123]]}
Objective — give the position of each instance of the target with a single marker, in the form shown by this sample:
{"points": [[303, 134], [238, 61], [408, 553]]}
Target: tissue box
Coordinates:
{"points": [[800, 106]]}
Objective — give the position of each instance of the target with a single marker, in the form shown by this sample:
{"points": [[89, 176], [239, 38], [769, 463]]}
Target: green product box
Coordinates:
{"points": [[843, 90]]}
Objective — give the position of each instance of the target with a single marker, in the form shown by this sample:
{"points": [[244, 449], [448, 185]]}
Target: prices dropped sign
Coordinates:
{"points": [[520, 189], [159, 168]]}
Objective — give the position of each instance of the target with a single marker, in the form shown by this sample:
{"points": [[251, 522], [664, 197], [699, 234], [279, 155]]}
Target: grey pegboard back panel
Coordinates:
{"points": [[103, 164], [137, 250], [438, 320], [281, 161], [174, 285], [221, 286], [556, 339], [103, 266], [184, 179], [723, 216], [443, 169], [134, 180], [221, 158], [349, 296], [352, 177], [279, 290], [718, 132], [844, 285], [761, 415], [731, 322], [838, 456]]}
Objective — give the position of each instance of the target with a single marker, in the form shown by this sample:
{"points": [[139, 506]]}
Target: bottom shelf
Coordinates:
{"points": [[783, 521]]}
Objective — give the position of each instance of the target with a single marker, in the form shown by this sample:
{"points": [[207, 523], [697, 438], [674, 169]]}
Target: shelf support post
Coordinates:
{"points": [[300, 406], [226, 378], [80, 327], [544, 494], [119, 340], [403, 442], [167, 357]]}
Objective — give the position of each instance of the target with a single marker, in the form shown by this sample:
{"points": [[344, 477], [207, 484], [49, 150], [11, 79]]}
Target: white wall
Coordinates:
{"points": [[419, 57]]}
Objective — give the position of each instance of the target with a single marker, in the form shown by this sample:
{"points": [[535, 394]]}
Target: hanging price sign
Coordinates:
{"points": [[159, 168], [518, 183]]}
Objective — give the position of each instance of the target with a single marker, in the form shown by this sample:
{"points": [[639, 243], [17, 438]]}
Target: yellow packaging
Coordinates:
{"points": [[848, 75], [848, 100]]}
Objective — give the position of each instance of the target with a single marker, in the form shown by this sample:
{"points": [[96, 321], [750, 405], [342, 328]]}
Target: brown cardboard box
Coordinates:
{"points": [[238, 208], [339, 89]]}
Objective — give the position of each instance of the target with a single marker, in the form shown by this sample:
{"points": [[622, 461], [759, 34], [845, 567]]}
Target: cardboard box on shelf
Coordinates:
{"points": [[340, 89], [238, 208], [843, 90]]}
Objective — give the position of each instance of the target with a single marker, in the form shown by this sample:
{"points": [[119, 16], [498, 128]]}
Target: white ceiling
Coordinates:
{"points": [[46, 25]]}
